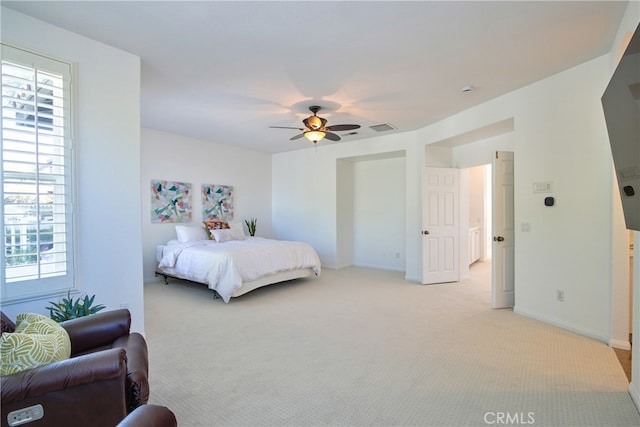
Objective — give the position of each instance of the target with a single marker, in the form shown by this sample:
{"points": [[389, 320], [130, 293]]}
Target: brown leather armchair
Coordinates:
{"points": [[150, 416], [105, 378]]}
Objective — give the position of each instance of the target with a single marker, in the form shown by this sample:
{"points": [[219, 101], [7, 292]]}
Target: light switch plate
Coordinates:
{"points": [[543, 187]]}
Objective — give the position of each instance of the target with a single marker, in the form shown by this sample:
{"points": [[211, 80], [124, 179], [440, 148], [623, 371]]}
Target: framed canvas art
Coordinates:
{"points": [[217, 202], [170, 201]]}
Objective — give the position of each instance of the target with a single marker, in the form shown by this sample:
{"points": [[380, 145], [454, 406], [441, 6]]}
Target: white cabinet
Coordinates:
{"points": [[474, 245]]}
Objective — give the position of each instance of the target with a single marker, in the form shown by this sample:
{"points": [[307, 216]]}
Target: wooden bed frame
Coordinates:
{"points": [[281, 276]]}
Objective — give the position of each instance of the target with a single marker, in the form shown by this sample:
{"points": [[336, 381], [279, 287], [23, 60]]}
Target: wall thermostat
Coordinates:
{"points": [[549, 201]]}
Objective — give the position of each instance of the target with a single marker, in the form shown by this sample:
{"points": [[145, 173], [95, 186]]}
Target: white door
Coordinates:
{"points": [[440, 222], [502, 286]]}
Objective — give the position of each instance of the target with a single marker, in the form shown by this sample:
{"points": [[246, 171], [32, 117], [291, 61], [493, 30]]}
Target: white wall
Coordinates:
{"points": [[107, 148], [305, 196], [345, 221], [378, 213], [482, 152], [173, 157]]}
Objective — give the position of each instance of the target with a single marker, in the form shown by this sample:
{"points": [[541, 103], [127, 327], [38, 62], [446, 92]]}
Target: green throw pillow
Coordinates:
{"points": [[37, 340]]}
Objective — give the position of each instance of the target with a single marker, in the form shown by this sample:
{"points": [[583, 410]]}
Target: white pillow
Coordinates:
{"points": [[190, 234], [237, 231], [222, 235]]}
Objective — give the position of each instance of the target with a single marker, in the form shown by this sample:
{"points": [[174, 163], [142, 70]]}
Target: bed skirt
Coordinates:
{"points": [[281, 276]]}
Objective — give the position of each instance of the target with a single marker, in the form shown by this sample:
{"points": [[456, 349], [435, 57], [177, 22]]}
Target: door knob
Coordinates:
{"points": [[498, 239], [425, 232]]}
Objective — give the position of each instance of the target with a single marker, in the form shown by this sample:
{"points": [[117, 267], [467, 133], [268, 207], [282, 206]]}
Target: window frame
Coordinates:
{"points": [[60, 284]]}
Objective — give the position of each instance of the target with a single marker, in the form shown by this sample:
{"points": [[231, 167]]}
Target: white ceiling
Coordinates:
{"points": [[226, 71]]}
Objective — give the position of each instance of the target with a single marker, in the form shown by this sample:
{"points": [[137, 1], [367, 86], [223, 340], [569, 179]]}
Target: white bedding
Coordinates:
{"points": [[225, 266]]}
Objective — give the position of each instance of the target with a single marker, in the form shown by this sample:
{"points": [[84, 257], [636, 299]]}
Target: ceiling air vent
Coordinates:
{"points": [[382, 128]]}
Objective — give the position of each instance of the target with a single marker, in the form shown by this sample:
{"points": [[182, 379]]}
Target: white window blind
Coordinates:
{"points": [[37, 186]]}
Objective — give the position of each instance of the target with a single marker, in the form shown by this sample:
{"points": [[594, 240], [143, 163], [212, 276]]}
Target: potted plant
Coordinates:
{"points": [[69, 309], [251, 225]]}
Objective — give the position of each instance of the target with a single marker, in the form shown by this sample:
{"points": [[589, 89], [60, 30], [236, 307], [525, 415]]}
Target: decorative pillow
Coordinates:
{"points": [[37, 341], [237, 230], [190, 234], [214, 225], [222, 235]]}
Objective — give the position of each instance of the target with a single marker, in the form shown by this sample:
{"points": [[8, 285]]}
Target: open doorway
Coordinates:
{"points": [[466, 152], [458, 218], [479, 211]]}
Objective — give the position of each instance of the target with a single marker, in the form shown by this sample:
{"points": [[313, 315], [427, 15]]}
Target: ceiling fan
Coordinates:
{"points": [[315, 128]]}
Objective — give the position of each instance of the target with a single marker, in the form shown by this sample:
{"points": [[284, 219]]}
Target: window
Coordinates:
{"points": [[37, 186]]}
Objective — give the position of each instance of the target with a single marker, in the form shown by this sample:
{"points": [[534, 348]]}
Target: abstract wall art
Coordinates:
{"points": [[217, 202], [170, 201]]}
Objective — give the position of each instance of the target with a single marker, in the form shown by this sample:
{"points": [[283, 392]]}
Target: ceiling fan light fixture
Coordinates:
{"points": [[315, 128], [314, 135], [314, 122]]}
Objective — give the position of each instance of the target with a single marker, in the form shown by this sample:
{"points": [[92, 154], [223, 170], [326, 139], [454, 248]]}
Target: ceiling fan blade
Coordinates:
{"points": [[337, 128], [284, 127], [296, 137], [332, 136]]}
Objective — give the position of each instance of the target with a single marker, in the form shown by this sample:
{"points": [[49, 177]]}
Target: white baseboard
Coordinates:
{"points": [[562, 324], [622, 345], [413, 279], [378, 267]]}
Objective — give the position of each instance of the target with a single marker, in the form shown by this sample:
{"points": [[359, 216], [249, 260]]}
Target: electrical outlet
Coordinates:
{"points": [[25, 415], [560, 295]]}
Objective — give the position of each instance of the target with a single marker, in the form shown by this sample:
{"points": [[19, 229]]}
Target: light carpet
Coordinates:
{"points": [[364, 347]]}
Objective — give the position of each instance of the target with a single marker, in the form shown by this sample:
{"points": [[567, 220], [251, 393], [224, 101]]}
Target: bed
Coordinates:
{"points": [[233, 264]]}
